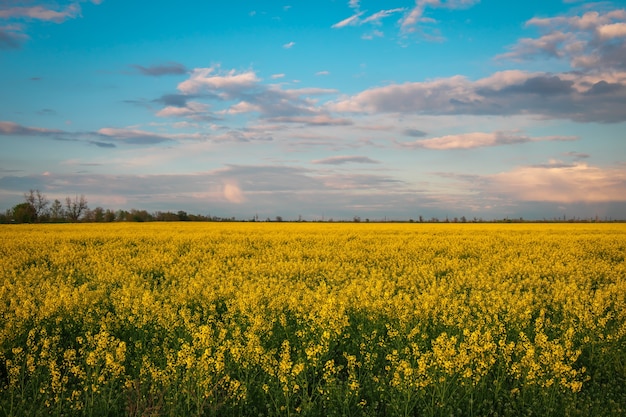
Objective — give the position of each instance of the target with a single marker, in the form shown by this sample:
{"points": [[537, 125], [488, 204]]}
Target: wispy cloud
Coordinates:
{"points": [[577, 155], [314, 120], [170, 68], [357, 18], [132, 136], [14, 34], [289, 45], [14, 129], [340, 160], [481, 139], [102, 144], [41, 13], [413, 17], [11, 36], [416, 133], [378, 16], [349, 21], [193, 110]]}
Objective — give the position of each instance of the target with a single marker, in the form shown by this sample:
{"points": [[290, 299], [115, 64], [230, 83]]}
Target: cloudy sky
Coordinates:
{"points": [[320, 109]]}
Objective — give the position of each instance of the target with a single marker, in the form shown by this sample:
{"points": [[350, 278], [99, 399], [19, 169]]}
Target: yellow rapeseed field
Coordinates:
{"points": [[312, 319]]}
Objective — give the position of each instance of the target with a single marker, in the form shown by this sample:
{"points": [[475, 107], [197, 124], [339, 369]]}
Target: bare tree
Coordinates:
{"points": [[74, 208], [38, 202]]}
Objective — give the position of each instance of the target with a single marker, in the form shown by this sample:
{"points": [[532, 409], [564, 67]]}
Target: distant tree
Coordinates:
{"points": [[183, 216], [39, 202], [279, 218], [109, 216], [24, 213], [98, 214], [167, 216], [95, 215], [121, 215], [75, 208], [56, 211], [6, 216], [140, 216]]}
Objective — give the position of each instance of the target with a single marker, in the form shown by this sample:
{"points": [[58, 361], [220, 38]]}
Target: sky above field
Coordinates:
{"points": [[320, 109]]}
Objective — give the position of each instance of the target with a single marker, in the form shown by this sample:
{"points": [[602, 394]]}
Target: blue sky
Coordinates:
{"points": [[328, 109]]}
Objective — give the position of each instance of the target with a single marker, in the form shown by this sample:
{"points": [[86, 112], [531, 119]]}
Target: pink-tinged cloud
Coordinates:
{"points": [[315, 120], [480, 139], [233, 193], [192, 109], [585, 97], [206, 80], [243, 107], [562, 183], [592, 41], [350, 21], [14, 129], [41, 13], [614, 30]]}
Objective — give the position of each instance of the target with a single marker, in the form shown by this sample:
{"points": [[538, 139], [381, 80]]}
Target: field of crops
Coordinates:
{"points": [[262, 319]]}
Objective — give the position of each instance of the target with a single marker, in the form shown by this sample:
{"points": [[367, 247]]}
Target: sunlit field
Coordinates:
{"points": [[261, 319]]}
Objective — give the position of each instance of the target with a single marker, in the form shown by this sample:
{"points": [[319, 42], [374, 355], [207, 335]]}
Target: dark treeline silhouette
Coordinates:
{"points": [[36, 208]]}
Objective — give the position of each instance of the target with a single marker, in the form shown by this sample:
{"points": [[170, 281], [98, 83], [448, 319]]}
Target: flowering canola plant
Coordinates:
{"points": [[312, 319]]}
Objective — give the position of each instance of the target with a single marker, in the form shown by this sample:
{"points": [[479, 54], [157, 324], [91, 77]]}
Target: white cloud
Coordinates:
{"points": [[277, 76], [289, 45]]}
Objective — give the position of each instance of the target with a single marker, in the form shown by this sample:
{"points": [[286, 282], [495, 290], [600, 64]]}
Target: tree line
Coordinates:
{"points": [[37, 208]]}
